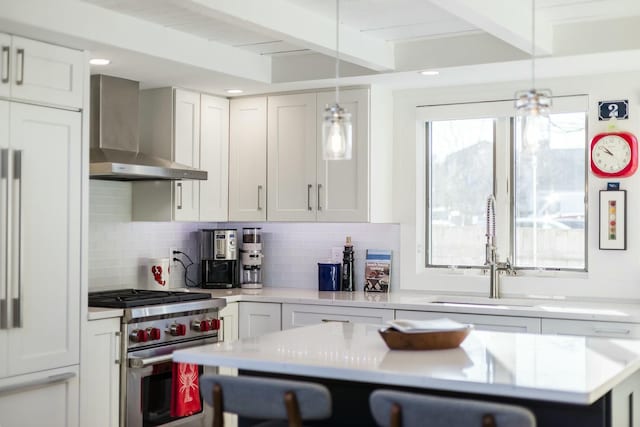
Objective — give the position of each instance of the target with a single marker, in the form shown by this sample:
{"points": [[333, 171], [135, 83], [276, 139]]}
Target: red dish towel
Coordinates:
{"points": [[185, 390]]}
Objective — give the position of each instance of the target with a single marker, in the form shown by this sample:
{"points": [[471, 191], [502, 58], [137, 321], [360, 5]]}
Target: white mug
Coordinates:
{"points": [[158, 273]]}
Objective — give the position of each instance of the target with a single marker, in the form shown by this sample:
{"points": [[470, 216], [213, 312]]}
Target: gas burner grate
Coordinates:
{"points": [[125, 298]]}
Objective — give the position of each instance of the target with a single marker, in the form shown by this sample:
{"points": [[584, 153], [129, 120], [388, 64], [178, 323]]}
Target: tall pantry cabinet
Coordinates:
{"points": [[41, 180]]}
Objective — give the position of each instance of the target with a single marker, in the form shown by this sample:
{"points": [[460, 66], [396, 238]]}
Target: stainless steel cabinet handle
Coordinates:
{"points": [[259, 193], [335, 320], [117, 335], [221, 330], [53, 379], [605, 330], [143, 362], [20, 80], [319, 188], [309, 196], [179, 185], [4, 246], [6, 60], [17, 239]]}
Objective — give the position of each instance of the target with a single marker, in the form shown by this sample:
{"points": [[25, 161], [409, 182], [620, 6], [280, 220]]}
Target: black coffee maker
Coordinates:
{"points": [[219, 258]]}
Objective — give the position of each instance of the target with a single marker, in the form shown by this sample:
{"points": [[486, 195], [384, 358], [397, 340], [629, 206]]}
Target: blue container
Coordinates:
{"points": [[328, 276]]}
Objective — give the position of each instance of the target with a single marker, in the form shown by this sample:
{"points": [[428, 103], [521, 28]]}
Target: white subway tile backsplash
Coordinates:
{"points": [[119, 248]]}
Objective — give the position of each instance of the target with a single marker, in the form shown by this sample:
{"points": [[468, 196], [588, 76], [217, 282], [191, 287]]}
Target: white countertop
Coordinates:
{"points": [[98, 313], [554, 368], [415, 300]]}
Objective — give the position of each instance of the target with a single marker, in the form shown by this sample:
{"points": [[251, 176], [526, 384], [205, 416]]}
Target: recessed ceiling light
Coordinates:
{"points": [[99, 61], [234, 91], [429, 72]]}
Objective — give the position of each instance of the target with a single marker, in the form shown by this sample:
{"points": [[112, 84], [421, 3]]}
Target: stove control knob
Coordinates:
{"points": [[139, 335], [178, 329], [154, 334], [200, 325], [215, 324]]}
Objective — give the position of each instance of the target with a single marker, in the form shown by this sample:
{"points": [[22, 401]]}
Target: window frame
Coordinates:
{"points": [[504, 170]]}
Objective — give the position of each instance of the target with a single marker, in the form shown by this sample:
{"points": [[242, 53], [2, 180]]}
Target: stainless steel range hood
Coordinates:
{"points": [[114, 130]]}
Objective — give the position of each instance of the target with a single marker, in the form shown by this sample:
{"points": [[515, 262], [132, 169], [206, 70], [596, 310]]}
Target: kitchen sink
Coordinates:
{"points": [[482, 301]]}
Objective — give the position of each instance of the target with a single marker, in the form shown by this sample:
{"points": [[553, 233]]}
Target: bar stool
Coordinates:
{"points": [[401, 409], [284, 402]]}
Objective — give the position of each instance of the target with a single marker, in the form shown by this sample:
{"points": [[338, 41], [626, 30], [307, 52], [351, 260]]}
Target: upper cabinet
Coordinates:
{"points": [[248, 159], [40, 72], [191, 129]]}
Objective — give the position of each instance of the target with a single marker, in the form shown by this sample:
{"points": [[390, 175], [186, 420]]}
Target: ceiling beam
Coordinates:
{"points": [[287, 21], [85, 26], [509, 21]]}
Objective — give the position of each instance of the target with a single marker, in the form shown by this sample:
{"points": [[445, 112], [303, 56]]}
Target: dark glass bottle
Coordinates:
{"points": [[347, 267]]}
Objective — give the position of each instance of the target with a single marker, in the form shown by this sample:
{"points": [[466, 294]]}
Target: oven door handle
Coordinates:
{"points": [[143, 362]]}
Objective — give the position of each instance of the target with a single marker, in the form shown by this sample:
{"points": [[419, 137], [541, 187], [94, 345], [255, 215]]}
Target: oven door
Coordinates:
{"points": [[148, 382]]}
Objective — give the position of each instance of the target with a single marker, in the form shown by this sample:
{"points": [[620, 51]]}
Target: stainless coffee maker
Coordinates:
{"points": [[251, 259], [219, 258]]}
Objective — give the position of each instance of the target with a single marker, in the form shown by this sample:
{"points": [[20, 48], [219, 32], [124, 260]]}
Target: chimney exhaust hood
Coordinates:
{"points": [[114, 153]]}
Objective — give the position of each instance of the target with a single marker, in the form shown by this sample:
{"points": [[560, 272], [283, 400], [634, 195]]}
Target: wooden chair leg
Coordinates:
{"points": [[396, 416], [488, 421], [293, 410], [217, 406]]}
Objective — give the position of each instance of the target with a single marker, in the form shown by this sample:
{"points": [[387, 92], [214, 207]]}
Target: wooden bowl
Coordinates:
{"points": [[434, 340]]}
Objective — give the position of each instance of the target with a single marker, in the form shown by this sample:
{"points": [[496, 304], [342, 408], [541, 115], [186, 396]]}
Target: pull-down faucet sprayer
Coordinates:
{"points": [[491, 252]]}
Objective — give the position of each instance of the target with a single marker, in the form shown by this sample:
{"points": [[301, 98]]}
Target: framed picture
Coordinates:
{"points": [[613, 219]]}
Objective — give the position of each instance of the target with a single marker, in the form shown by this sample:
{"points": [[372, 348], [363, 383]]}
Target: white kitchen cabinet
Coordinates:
{"points": [[258, 318], [41, 237], [481, 322], [248, 159], [296, 315], [591, 328], [40, 72], [214, 158], [230, 317], [190, 129], [100, 368], [48, 398]]}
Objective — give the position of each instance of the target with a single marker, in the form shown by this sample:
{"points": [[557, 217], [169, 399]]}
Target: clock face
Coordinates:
{"points": [[611, 154]]}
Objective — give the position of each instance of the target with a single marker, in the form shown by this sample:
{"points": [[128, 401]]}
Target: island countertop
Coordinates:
{"points": [[564, 369]]}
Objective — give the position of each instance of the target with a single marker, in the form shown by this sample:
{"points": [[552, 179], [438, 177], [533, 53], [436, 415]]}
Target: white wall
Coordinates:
{"points": [[118, 248], [611, 275]]}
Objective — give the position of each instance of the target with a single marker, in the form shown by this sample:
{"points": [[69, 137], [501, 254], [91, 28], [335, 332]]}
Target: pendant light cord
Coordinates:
{"points": [[337, 50], [533, 44]]}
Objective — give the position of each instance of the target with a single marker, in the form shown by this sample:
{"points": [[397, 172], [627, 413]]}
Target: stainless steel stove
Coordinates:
{"points": [[155, 323]]}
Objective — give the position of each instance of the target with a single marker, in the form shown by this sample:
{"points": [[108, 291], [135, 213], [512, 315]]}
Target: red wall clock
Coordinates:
{"points": [[614, 154]]}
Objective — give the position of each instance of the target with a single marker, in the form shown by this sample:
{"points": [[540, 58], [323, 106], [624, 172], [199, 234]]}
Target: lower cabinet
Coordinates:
{"points": [[100, 389], [296, 315], [47, 398], [229, 316], [481, 322], [258, 318], [591, 328]]}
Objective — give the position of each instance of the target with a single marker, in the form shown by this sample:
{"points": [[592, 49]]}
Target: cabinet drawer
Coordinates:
{"points": [[590, 328], [296, 315], [481, 322]]}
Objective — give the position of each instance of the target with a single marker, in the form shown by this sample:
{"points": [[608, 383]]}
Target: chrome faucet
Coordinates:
{"points": [[491, 252]]}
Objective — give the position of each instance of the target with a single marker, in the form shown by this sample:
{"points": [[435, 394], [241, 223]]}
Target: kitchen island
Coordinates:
{"points": [[564, 380]]}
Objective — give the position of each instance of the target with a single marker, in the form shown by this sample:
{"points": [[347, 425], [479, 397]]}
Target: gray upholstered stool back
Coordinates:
{"points": [[256, 397], [400, 409]]}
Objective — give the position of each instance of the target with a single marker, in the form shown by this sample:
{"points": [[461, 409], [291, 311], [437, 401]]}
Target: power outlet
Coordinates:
{"points": [[172, 263]]}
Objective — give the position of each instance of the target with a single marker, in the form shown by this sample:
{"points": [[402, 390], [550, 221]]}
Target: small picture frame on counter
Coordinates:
{"points": [[613, 219], [377, 270]]}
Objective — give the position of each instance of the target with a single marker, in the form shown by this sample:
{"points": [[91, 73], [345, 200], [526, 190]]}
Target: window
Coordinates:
{"points": [[541, 219]]}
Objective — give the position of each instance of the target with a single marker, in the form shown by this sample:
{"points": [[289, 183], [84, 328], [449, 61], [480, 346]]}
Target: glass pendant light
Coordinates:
{"points": [[336, 124], [533, 106]]}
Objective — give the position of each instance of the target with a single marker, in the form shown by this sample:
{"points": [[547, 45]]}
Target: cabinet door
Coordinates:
{"points": [[591, 328], [5, 70], [259, 318], [481, 322], [248, 159], [343, 185], [100, 388], [46, 73], [186, 151], [42, 399], [214, 158], [45, 237], [4, 297], [291, 158], [296, 315], [229, 317]]}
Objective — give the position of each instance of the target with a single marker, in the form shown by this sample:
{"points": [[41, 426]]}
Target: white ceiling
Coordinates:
{"points": [[267, 45]]}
